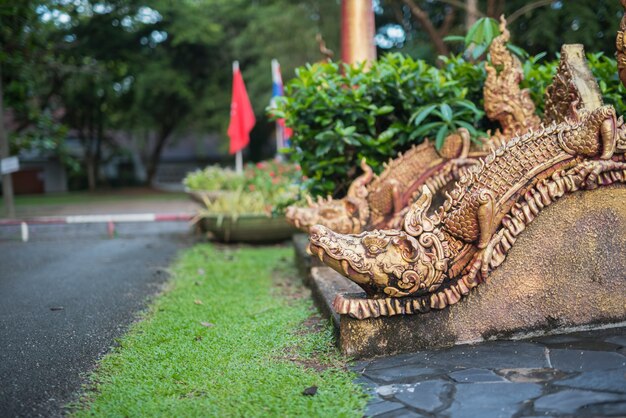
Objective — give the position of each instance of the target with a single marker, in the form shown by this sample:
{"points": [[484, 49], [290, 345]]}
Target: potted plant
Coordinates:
{"points": [[211, 182], [253, 212]]}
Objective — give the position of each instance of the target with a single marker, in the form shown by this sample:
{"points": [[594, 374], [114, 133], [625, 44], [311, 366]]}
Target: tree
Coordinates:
{"points": [[186, 83], [150, 67], [537, 26], [31, 79]]}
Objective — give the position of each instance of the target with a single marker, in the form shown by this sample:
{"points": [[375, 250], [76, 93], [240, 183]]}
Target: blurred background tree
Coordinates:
{"points": [[145, 66], [417, 27], [155, 68]]}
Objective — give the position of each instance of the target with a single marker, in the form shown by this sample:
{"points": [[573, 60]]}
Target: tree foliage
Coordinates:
{"points": [[536, 26], [149, 67]]}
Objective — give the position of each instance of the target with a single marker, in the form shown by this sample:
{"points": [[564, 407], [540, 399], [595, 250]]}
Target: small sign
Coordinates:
{"points": [[9, 165]]}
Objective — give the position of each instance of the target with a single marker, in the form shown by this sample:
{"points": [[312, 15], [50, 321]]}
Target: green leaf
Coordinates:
{"points": [[468, 126], [487, 33], [423, 130], [350, 140], [471, 35], [422, 114], [446, 112], [520, 52], [441, 136], [478, 51], [387, 135], [349, 130], [384, 110], [454, 38], [322, 149]]}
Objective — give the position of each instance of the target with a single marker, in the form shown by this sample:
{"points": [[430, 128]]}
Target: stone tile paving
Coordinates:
{"points": [[581, 374]]}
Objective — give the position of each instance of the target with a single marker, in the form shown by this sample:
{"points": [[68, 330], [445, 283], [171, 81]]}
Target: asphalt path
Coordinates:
{"points": [[63, 301]]}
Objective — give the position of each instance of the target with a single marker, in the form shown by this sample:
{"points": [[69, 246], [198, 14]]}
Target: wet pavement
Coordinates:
{"points": [[64, 299], [581, 374]]}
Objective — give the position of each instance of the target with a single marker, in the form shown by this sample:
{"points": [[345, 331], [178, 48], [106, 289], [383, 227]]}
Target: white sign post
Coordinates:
{"points": [[9, 165]]}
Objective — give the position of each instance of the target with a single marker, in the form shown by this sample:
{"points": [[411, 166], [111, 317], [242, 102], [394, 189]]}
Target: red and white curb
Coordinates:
{"points": [[110, 220]]}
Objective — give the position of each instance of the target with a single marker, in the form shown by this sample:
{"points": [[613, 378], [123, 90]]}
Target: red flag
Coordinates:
{"points": [[241, 114]]}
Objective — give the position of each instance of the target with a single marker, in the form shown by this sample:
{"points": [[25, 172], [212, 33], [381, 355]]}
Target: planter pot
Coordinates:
{"points": [[199, 196], [248, 228]]}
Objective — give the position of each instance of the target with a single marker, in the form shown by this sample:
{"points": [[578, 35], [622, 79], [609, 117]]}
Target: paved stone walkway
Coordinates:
{"points": [[581, 374]]}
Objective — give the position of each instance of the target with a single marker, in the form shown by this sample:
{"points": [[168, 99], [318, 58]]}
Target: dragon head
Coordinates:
{"points": [[346, 216], [339, 215], [387, 262]]}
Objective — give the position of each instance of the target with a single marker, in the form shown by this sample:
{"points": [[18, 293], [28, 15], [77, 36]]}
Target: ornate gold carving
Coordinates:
{"points": [[504, 100], [435, 260], [573, 87], [620, 45], [381, 202], [326, 53]]}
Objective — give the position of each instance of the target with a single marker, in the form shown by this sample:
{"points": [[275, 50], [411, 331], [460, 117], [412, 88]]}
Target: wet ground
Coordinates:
{"points": [[64, 298], [581, 374]]}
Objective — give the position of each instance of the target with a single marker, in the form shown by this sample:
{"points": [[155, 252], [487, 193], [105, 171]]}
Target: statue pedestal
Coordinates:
{"points": [[567, 271]]}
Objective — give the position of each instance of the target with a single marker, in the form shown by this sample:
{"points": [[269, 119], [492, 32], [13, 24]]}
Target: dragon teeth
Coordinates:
{"points": [[345, 266]]}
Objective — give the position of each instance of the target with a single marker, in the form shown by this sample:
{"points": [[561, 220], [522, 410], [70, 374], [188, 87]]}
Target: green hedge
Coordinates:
{"points": [[341, 114]]}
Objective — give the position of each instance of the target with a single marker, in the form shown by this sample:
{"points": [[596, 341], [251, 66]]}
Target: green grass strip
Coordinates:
{"points": [[74, 198], [226, 339]]}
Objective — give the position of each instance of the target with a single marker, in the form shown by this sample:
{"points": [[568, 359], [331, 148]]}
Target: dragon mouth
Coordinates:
{"points": [[322, 247]]}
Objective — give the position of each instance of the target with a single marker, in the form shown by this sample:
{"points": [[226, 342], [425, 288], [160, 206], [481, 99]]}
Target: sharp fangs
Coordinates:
{"points": [[320, 255], [345, 266]]}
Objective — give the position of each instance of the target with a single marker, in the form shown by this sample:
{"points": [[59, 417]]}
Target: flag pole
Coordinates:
{"points": [[279, 140], [238, 155], [279, 130], [238, 163]]}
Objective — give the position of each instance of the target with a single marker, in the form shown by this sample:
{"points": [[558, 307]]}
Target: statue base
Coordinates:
{"points": [[567, 271]]}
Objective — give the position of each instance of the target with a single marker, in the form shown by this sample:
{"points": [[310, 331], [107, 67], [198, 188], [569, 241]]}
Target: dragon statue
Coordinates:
{"points": [[375, 202], [381, 201], [434, 260]]}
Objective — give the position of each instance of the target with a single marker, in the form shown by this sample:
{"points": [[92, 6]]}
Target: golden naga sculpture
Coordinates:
{"points": [[434, 260], [380, 202], [573, 88]]}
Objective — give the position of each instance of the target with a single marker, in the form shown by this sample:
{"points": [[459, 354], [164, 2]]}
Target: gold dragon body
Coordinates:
{"points": [[380, 202], [435, 260]]}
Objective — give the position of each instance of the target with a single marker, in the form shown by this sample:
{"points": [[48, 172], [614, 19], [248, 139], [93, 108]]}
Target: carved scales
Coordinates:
{"points": [[435, 260]]}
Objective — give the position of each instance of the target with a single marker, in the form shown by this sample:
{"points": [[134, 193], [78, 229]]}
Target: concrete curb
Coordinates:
{"points": [[110, 225]]}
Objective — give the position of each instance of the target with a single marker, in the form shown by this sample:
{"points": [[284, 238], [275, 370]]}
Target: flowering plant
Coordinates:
{"points": [[266, 187], [213, 178]]}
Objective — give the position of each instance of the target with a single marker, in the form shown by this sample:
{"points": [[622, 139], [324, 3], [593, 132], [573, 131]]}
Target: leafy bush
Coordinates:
{"points": [[263, 188], [342, 113]]}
